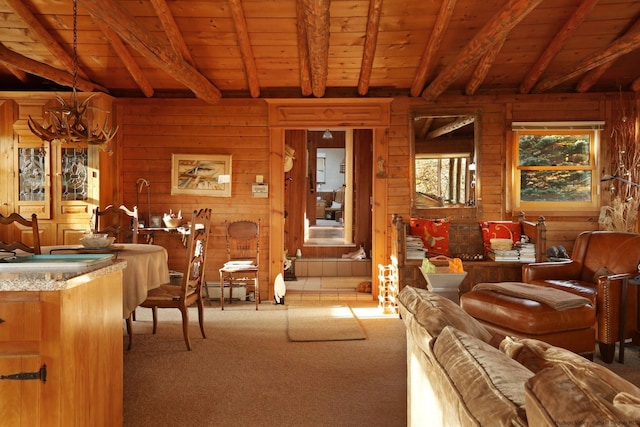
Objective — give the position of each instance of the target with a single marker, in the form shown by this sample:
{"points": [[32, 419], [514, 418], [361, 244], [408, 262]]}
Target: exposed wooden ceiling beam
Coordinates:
{"points": [[635, 85], [590, 78], [623, 45], [370, 42], [11, 59], [303, 50], [439, 30], [424, 129], [171, 29], [18, 74], [498, 27], [126, 58], [450, 127], [40, 33], [316, 17], [245, 47], [556, 44], [112, 15], [483, 67]]}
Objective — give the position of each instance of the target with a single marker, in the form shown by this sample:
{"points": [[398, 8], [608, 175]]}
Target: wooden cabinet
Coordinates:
{"points": [[77, 333], [59, 183]]}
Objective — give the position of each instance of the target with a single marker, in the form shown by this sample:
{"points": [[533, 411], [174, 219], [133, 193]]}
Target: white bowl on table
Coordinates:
{"points": [[97, 241]]}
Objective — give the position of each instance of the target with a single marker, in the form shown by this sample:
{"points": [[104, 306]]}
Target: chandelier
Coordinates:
{"points": [[74, 122]]}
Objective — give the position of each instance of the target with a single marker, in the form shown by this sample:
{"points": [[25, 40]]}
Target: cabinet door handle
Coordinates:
{"points": [[40, 374]]}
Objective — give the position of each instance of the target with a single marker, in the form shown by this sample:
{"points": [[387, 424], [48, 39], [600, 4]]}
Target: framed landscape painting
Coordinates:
{"points": [[201, 174]]}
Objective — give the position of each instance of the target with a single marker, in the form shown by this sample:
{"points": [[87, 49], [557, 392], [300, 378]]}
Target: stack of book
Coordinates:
{"points": [[521, 252], [526, 252], [504, 255], [415, 247]]}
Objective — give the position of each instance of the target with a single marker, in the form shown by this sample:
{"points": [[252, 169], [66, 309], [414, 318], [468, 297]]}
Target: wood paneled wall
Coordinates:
{"points": [[496, 114], [153, 129]]}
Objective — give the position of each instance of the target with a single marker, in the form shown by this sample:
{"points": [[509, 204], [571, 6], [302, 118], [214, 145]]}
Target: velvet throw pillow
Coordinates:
{"points": [[499, 230], [433, 232]]}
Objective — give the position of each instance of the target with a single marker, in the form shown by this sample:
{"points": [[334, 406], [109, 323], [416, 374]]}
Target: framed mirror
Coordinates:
{"points": [[445, 170]]}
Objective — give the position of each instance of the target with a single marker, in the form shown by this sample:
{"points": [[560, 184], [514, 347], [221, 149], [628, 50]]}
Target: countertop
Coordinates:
{"points": [[54, 281]]}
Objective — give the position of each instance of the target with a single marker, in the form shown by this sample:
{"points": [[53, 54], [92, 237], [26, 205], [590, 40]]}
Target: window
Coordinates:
{"points": [[555, 166], [442, 179]]}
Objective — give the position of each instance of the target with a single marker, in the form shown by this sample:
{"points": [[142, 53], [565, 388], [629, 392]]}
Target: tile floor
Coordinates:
{"points": [[309, 289]]}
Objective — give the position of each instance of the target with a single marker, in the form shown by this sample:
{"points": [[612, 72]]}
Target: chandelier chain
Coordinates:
{"points": [[75, 45], [76, 122]]}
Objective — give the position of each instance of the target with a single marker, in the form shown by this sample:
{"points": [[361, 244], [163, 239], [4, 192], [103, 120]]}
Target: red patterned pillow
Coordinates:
{"points": [[499, 230], [433, 232]]}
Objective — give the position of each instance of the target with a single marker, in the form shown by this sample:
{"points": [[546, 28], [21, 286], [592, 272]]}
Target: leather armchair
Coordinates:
{"points": [[596, 259]]}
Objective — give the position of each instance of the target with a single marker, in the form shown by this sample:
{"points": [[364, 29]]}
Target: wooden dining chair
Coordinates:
{"points": [[121, 223], [190, 291], [243, 254], [14, 223]]}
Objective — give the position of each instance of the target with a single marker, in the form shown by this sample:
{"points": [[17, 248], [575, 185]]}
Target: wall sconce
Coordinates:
{"points": [[327, 134]]}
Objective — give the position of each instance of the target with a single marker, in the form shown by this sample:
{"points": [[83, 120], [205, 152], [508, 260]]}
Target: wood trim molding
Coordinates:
{"points": [[348, 112], [374, 113]]}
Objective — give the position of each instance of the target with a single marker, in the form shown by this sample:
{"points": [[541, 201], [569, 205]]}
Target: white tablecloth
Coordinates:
{"points": [[147, 268]]}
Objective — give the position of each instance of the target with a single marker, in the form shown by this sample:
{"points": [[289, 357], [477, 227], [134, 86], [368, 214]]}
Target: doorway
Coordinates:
{"points": [[332, 177], [328, 199], [292, 116]]}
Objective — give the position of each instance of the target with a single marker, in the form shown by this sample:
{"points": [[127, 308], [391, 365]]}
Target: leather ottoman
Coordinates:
{"points": [[507, 315]]}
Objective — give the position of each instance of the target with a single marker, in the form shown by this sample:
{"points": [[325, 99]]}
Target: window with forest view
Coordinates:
{"points": [[555, 168]]}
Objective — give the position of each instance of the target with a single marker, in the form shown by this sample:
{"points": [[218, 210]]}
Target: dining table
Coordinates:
{"points": [[147, 268]]}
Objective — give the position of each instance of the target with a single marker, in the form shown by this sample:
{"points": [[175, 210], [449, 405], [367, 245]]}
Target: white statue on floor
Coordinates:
{"points": [[279, 289]]}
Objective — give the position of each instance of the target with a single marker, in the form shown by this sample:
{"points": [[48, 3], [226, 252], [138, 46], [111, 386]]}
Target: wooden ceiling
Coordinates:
{"points": [[213, 49]]}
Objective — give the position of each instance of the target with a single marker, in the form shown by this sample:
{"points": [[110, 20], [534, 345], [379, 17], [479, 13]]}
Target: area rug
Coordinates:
{"points": [[331, 322], [342, 282]]}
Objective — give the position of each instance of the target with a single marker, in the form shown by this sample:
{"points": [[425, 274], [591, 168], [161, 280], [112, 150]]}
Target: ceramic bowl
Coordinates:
{"points": [[171, 222], [97, 241]]}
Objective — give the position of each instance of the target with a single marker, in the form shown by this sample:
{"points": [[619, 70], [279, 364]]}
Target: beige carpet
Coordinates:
{"points": [[342, 282], [330, 322], [247, 372]]}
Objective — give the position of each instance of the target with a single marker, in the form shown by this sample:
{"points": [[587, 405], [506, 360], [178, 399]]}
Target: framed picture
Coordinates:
{"points": [[201, 174]]}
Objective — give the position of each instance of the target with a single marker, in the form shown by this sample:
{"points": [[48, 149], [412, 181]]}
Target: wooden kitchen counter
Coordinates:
{"points": [[70, 325]]}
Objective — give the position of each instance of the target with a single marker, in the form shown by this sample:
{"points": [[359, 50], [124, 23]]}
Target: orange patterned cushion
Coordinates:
{"points": [[433, 232], [499, 230]]}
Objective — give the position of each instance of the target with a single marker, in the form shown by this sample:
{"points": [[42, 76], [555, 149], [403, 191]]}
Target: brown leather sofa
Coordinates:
{"points": [[596, 257]]}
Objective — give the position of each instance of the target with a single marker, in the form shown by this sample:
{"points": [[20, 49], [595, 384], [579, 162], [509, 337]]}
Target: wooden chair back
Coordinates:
{"points": [[190, 291], [13, 222], [120, 223], [243, 241], [193, 279]]}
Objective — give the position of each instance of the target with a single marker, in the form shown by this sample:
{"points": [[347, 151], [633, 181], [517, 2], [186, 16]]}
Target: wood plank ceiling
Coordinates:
{"points": [[213, 49]]}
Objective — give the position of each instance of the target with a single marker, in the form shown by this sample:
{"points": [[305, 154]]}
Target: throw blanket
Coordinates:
{"points": [[555, 298]]}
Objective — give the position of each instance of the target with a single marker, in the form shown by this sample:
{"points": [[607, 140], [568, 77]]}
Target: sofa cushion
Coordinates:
{"points": [[433, 312], [585, 396], [489, 383], [433, 232], [591, 393]]}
